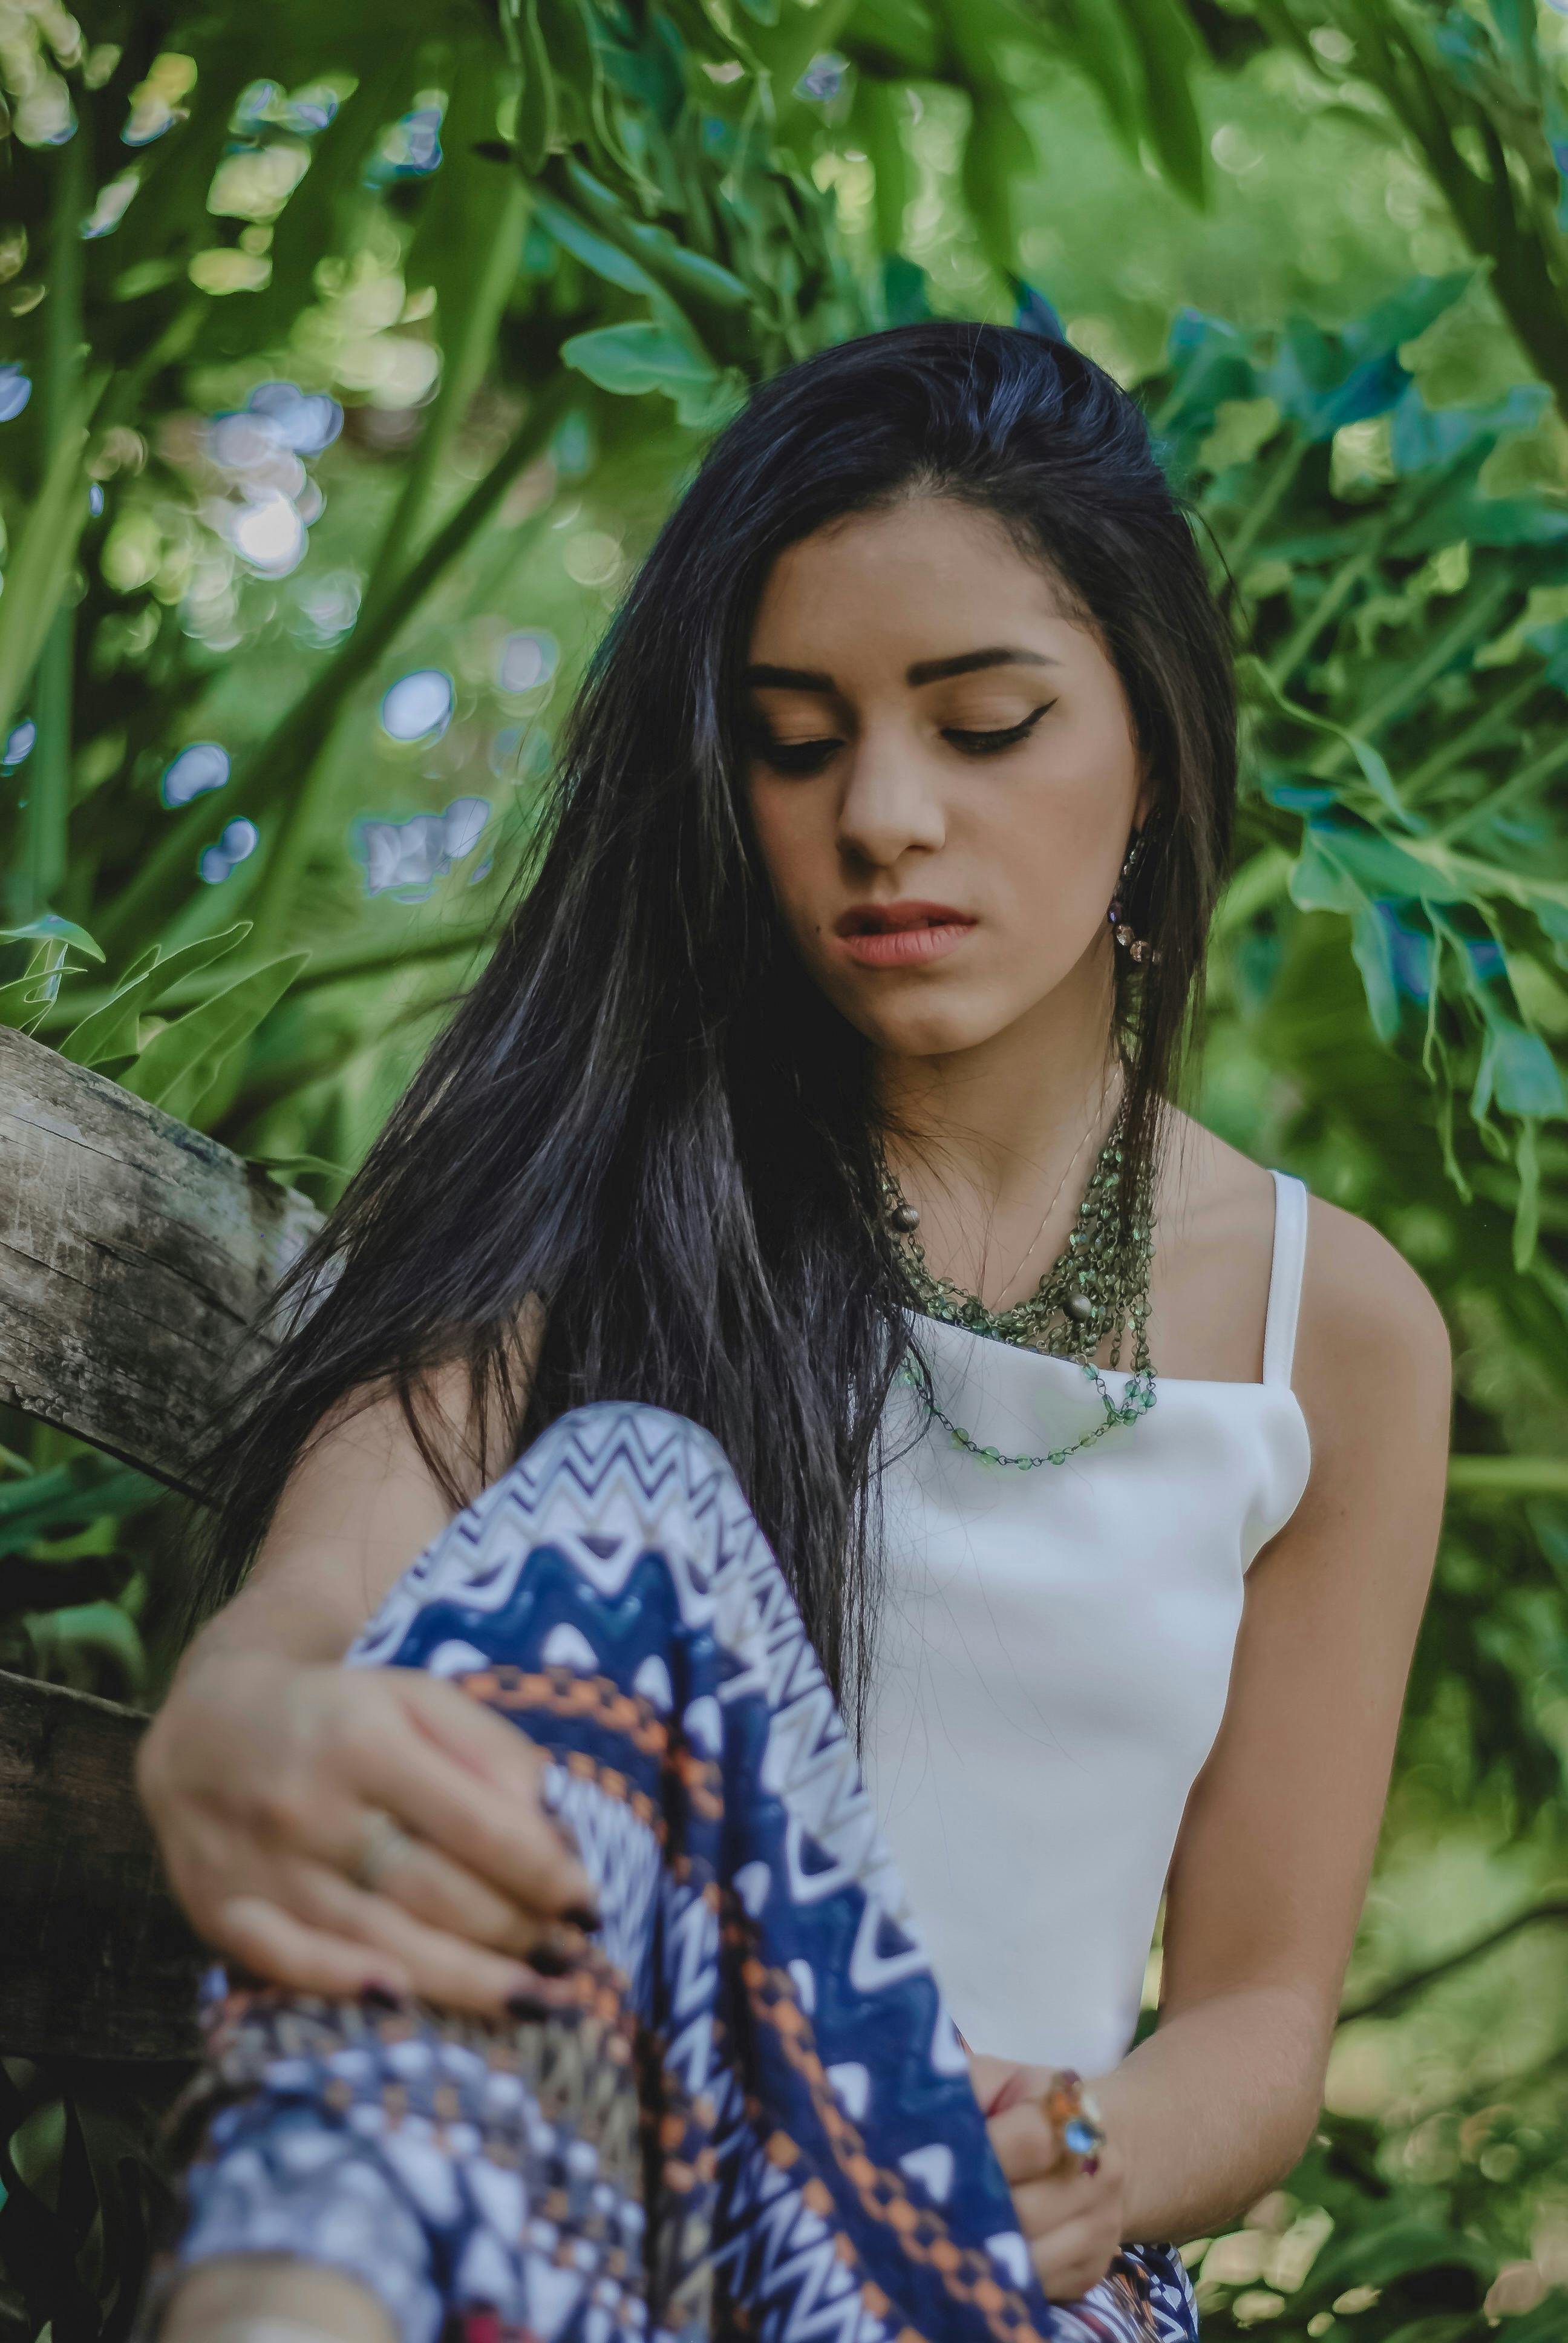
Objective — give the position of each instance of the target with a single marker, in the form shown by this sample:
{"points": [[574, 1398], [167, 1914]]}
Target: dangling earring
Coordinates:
{"points": [[1137, 947]]}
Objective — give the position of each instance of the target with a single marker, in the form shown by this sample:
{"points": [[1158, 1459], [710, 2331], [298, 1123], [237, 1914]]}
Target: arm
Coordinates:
{"points": [[266, 1761], [1279, 1831], [1278, 1839]]}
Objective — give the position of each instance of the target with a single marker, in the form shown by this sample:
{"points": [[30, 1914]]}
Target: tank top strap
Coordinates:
{"points": [[1286, 1277]]}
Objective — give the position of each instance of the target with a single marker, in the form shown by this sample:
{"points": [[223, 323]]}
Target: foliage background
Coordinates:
{"points": [[350, 358]]}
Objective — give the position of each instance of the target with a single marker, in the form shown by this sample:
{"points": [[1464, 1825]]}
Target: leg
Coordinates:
{"points": [[750, 2101], [274, 2299]]}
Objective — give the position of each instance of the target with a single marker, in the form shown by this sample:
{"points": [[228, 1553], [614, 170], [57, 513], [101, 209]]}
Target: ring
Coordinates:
{"points": [[383, 1845], [1075, 2118]]}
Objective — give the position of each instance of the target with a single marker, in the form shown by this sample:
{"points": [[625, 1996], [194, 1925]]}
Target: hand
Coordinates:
{"points": [[261, 1775], [1072, 2221]]}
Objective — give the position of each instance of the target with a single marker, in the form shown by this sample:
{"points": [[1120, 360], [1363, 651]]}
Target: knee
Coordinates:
{"points": [[593, 1452], [232, 2297]]}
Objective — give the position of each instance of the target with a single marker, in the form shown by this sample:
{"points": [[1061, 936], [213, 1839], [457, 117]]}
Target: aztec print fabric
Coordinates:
{"points": [[746, 2112]]}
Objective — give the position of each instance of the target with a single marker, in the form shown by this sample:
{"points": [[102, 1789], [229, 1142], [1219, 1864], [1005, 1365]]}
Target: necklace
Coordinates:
{"points": [[1056, 1194], [1096, 1289]]}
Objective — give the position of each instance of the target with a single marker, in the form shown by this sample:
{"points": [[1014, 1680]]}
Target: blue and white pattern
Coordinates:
{"points": [[747, 2110]]}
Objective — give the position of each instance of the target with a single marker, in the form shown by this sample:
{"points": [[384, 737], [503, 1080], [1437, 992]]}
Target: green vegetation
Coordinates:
{"points": [[349, 367]]}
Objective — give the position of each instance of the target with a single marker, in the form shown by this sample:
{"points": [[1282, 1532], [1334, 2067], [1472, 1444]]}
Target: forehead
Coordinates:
{"points": [[902, 576]]}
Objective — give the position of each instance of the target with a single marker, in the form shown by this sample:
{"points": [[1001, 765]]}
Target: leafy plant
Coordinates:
{"points": [[340, 343]]}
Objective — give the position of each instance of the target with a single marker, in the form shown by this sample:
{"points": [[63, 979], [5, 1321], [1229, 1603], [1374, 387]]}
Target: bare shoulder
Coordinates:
{"points": [[1366, 1317]]}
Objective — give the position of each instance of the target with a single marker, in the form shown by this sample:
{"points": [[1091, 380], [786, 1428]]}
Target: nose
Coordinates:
{"points": [[891, 803]]}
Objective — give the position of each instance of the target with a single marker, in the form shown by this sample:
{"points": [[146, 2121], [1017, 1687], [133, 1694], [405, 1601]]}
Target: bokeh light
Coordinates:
{"points": [[18, 744], [267, 532], [240, 837], [407, 858], [417, 706], [203, 765], [526, 659]]}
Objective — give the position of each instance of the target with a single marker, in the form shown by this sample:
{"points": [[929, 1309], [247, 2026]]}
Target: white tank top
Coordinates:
{"points": [[1054, 1654]]}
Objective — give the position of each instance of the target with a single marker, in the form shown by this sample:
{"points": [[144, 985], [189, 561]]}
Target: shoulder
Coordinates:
{"points": [[1373, 1376], [1365, 1315]]}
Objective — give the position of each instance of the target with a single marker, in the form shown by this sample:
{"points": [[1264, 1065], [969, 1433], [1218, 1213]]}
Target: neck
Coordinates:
{"points": [[996, 1115], [980, 1138]]}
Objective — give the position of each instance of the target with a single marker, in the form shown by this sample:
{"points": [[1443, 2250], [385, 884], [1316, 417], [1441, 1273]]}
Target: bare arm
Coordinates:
{"points": [[1278, 1839], [268, 1760], [359, 1506]]}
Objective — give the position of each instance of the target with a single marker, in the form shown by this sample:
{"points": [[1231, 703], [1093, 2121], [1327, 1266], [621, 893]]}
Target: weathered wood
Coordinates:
{"points": [[95, 1959], [134, 1255]]}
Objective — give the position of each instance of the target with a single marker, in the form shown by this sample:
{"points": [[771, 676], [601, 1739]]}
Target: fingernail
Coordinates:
{"points": [[527, 2007], [550, 1961], [583, 1916]]}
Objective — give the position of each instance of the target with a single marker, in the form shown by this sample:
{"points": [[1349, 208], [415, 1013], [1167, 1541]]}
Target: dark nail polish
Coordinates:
{"points": [[528, 2007], [380, 1996], [583, 1916], [550, 1961]]}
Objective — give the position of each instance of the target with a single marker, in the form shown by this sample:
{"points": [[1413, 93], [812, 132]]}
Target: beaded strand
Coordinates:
{"points": [[1096, 1291]]}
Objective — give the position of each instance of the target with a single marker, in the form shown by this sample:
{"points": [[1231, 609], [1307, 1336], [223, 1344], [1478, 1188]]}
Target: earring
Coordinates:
{"points": [[1137, 947]]}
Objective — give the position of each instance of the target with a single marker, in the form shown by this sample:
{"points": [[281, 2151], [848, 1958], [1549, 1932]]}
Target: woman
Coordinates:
{"points": [[817, 1095]]}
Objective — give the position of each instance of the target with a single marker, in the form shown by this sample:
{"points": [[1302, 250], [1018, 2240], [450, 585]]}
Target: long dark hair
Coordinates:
{"points": [[645, 1113]]}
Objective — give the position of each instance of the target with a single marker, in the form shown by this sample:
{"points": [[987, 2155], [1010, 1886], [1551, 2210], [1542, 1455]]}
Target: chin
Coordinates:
{"points": [[925, 1029]]}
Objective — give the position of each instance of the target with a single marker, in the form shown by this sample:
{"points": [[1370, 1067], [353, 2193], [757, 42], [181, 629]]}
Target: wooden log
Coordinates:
{"points": [[135, 1255], [95, 1959]]}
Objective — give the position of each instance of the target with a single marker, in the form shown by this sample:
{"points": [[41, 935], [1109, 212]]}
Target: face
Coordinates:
{"points": [[942, 776]]}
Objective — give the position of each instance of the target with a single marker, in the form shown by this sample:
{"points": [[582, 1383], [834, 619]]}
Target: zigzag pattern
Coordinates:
{"points": [[822, 2170]]}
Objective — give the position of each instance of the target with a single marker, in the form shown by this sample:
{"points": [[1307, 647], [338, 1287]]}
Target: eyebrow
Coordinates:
{"points": [[937, 670]]}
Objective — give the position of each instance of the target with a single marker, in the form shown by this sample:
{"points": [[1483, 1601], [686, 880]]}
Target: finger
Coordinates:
{"points": [[1025, 2141], [1045, 2204], [285, 1950], [442, 1967], [989, 2076], [1071, 2259], [488, 1744], [504, 1838], [440, 1893]]}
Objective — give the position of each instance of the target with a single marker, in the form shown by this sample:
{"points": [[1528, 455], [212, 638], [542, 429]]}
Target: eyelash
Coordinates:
{"points": [[805, 756]]}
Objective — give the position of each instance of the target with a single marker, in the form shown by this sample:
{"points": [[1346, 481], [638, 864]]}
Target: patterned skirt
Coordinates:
{"points": [[746, 2112]]}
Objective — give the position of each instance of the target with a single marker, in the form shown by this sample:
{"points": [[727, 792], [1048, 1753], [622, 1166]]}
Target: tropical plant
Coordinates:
{"points": [[350, 362]]}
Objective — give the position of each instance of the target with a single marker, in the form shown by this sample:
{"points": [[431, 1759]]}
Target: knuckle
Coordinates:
{"points": [[281, 1806]]}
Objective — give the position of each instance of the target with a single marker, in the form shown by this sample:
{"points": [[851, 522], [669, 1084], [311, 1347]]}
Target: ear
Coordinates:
{"points": [[1148, 795]]}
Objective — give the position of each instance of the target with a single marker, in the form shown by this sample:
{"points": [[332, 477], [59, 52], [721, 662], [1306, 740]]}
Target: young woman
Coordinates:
{"points": [[798, 1191]]}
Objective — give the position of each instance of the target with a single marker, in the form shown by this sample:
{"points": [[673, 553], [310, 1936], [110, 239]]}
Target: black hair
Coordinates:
{"points": [[645, 1114]]}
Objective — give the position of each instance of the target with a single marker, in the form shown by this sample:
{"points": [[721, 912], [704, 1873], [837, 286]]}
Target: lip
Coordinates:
{"points": [[905, 934]]}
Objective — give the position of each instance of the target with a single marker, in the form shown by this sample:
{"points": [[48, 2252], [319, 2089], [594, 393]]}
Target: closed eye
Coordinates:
{"points": [[793, 756], [802, 757], [991, 744]]}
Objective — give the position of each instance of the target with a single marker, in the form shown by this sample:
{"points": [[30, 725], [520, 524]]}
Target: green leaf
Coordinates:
{"points": [[691, 272], [635, 358], [38, 569], [68, 1498], [1334, 853], [50, 926], [1168, 54], [595, 251], [63, 1640], [180, 1065], [110, 1031], [24, 1000], [1518, 1070], [998, 159], [537, 125], [286, 1167], [1374, 951]]}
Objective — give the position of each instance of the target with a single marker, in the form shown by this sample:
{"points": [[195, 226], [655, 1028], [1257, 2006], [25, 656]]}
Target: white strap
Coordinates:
{"points": [[1286, 1277]]}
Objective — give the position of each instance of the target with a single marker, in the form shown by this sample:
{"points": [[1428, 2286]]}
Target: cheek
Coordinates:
{"points": [[794, 843]]}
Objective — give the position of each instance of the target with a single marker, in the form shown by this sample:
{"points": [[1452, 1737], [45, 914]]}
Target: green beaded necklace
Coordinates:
{"points": [[1099, 1288]]}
